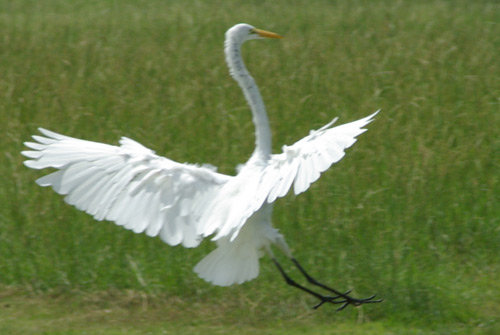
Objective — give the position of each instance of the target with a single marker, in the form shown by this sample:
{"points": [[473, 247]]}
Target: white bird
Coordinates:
{"points": [[184, 203]]}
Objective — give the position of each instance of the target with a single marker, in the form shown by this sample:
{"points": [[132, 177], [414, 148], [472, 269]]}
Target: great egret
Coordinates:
{"points": [[184, 203]]}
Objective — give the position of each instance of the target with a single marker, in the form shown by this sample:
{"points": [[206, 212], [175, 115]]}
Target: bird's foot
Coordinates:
{"points": [[345, 299], [338, 298]]}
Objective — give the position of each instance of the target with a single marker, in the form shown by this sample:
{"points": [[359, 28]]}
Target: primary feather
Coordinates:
{"points": [[128, 184]]}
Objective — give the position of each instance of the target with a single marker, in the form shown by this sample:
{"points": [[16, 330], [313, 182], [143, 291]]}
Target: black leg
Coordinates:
{"points": [[339, 298], [292, 282]]}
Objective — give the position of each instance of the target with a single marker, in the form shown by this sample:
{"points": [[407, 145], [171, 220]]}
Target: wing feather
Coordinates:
{"points": [[314, 154], [128, 184]]}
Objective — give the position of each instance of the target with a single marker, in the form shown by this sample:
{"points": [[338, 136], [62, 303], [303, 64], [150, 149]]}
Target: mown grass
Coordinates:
{"points": [[130, 312], [411, 213]]}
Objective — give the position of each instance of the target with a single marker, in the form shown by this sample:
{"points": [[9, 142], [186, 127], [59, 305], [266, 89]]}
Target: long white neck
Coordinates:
{"points": [[240, 74]]}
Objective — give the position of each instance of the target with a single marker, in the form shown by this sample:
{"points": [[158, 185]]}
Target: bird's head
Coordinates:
{"points": [[243, 32]]}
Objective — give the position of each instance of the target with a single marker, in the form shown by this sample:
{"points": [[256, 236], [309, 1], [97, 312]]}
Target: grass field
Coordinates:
{"points": [[411, 213]]}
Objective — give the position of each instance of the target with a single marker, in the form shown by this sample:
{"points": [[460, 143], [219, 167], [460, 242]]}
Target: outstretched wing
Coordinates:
{"points": [[303, 162], [299, 164], [128, 184]]}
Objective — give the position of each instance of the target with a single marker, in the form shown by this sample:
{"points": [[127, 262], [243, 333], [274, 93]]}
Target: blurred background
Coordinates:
{"points": [[411, 213]]}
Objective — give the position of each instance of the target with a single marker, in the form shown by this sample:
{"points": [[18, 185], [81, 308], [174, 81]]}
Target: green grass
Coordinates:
{"points": [[130, 312], [409, 213]]}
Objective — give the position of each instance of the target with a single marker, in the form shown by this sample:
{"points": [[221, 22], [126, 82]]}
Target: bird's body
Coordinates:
{"points": [[183, 203]]}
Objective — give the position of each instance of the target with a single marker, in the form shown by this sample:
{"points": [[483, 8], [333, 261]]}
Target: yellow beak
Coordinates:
{"points": [[268, 34]]}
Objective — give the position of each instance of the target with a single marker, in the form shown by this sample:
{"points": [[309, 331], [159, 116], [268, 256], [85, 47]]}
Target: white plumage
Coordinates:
{"points": [[183, 203]]}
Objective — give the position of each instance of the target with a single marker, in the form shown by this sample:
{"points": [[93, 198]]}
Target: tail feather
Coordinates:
{"points": [[235, 261], [229, 264]]}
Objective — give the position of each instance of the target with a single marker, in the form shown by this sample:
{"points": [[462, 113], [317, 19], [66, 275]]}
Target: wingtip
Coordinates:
{"points": [[31, 153], [371, 117], [50, 134], [30, 164]]}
